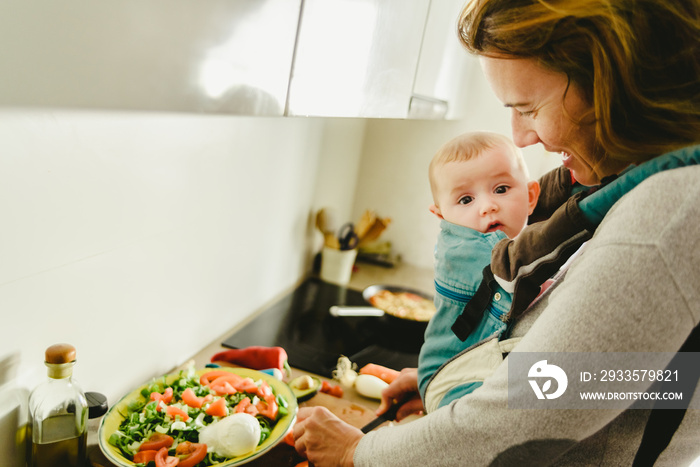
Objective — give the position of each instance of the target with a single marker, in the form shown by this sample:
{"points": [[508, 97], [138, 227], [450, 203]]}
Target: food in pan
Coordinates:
{"points": [[404, 305]]}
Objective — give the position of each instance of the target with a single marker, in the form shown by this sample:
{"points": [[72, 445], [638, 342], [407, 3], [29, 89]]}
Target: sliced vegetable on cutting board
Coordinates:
{"points": [[370, 386], [371, 380], [385, 374], [333, 389], [305, 387], [345, 372]]}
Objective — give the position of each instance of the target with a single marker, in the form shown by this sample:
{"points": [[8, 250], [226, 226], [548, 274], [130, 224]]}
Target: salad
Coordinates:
{"points": [[181, 422]]}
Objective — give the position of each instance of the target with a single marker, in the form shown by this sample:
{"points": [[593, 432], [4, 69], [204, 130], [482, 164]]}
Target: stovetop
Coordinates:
{"points": [[301, 323]]}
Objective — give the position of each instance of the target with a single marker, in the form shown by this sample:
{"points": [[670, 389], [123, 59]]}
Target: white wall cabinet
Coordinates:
{"points": [[356, 58], [330, 58], [444, 84], [217, 56]]}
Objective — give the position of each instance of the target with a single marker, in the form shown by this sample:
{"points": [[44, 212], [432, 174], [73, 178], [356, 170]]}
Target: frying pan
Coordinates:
{"points": [[400, 333], [369, 310]]}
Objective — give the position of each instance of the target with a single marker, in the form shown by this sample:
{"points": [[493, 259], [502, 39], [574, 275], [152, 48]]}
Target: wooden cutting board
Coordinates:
{"points": [[355, 414], [348, 411]]}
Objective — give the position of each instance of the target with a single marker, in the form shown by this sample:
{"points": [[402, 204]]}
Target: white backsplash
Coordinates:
{"points": [[140, 238], [13, 412]]}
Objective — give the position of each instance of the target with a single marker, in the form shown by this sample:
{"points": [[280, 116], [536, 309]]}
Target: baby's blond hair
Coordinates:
{"points": [[469, 145]]}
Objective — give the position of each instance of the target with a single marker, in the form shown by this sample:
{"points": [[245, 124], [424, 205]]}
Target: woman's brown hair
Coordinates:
{"points": [[636, 61]]}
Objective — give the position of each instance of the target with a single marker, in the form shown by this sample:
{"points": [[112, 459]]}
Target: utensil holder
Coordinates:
{"points": [[336, 265]]}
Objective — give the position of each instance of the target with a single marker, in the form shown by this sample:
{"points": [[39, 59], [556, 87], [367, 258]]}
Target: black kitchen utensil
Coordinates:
{"points": [[347, 238], [387, 416]]}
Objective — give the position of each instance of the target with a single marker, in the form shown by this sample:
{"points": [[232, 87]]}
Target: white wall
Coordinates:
{"points": [[140, 238], [338, 168]]}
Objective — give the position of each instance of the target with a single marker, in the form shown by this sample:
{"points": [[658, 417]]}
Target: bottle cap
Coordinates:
{"points": [[97, 404], [60, 353]]}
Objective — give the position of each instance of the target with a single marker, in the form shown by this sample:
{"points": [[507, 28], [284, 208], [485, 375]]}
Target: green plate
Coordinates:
{"points": [[111, 421]]}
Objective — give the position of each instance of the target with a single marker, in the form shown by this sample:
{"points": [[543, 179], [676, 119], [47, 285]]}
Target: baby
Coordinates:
{"points": [[480, 181], [483, 194]]}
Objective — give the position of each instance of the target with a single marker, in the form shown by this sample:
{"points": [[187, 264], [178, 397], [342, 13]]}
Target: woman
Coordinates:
{"points": [[605, 84]]}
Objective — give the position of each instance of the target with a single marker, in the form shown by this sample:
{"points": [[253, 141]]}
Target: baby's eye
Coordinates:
{"points": [[501, 189], [465, 200]]}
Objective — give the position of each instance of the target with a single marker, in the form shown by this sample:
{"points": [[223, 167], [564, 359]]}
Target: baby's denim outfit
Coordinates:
{"points": [[461, 254]]}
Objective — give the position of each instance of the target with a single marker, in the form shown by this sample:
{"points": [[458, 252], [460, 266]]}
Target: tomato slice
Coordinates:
{"points": [[268, 407], [176, 412], [326, 387], [223, 387], [144, 457], [164, 460], [190, 454], [217, 408], [191, 399], [246, 406], [264, 390], [209, 377], [156, 441], [333, 390], [166, 397], [337, 391], [246, 385]]}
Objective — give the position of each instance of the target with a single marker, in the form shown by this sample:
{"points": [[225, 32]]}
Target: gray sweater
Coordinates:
{"points": [[635, 288]]}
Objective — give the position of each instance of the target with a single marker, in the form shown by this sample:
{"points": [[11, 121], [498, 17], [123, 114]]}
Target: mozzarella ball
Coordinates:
{"points": [[233, 436]]}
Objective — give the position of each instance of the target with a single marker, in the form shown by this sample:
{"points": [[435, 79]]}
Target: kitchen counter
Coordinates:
{"points": [[353, 407]]}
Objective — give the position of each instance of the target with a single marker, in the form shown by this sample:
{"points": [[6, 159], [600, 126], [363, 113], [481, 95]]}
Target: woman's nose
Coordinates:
{"points": [[523, 134]]}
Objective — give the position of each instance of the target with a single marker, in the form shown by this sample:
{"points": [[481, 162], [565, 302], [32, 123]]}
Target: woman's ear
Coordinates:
{"points": [[533, 194], [436, 210]]}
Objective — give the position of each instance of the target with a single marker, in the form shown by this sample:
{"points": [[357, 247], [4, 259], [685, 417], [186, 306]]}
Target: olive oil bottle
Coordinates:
{"points": [[58, 415]]}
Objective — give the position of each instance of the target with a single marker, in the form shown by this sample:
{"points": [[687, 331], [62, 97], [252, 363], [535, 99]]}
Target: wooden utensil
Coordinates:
{"points": [[365, 223], [325, 222], [375, 231]]}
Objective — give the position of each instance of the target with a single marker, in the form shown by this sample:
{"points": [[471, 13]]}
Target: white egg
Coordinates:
{"points": [[370, 386], [233, 436]]}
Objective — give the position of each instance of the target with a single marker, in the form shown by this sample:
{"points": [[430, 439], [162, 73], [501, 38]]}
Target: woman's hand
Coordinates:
{"points": [[323, 438], [404, 388]]}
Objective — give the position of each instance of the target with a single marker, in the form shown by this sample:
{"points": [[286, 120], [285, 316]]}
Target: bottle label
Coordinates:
{"points": [[58, 428]]}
